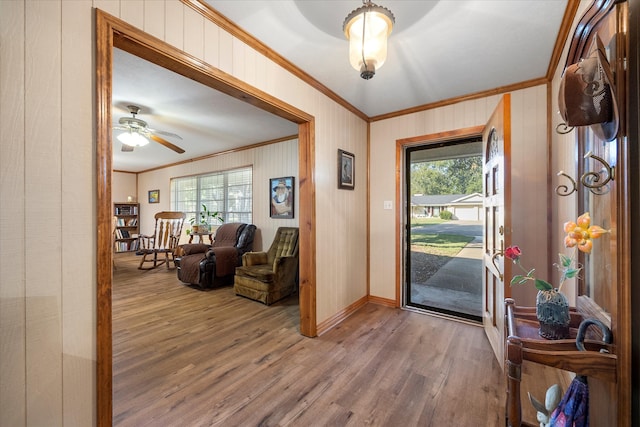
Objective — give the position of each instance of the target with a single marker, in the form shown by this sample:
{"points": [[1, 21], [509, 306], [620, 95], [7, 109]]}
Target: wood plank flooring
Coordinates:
{"points": [[183, 357]]}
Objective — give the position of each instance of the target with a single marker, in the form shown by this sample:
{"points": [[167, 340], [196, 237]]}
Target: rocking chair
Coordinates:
{"points": [[164, 240]]}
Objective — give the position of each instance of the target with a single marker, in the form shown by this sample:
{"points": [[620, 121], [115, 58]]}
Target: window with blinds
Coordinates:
{"points": [[228, 192]]}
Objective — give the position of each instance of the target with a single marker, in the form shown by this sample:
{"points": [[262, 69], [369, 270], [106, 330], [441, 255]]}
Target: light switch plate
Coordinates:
{"points": [[388, 204]]}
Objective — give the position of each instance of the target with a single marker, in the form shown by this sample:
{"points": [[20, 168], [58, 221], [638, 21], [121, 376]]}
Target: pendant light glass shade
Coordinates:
{"points": [[367, 29], [133, 139]]}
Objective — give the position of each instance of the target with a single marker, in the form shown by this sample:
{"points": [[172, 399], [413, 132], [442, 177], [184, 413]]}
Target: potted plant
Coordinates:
{"points": [[201, 224], [552, 307]]}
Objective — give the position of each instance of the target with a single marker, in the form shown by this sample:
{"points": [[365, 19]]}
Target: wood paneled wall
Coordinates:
{"points": [[47, 158], [47, 284], [268, 161], [48, 188], [563, 158], [529, 175]]}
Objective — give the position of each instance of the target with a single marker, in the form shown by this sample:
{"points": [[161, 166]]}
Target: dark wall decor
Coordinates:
{"points": [[282, 197], [346, 170]]}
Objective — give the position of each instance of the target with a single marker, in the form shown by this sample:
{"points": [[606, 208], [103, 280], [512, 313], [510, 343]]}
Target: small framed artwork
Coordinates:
{"points": [[282, 197], [154, 196], [346, 170]]}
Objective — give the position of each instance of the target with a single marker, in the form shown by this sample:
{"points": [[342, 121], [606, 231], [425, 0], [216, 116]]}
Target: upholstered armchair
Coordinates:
{"points": [[270, 276], [209, 266]]}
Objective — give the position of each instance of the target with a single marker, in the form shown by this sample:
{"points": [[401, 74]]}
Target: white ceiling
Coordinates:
{"points": [[207, 120], [438, 50]]}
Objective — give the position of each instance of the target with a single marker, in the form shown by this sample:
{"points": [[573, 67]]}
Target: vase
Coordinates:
{"points": [[552, 311]]}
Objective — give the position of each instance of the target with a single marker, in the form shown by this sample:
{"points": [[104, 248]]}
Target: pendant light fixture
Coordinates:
{"points": [[367, 29]]}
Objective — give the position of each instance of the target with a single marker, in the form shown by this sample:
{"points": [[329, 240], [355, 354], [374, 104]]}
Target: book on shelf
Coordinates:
{"points": [[126, 210]]}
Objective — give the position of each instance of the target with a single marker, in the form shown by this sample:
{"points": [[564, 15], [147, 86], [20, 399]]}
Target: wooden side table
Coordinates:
{"points": [[201, 236]]}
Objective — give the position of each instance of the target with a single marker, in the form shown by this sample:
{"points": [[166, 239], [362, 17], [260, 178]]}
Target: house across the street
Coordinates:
{"points": [[462, 206]]}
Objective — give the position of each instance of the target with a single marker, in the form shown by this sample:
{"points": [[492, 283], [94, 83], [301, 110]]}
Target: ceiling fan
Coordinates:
{"points": [[137, 132]]}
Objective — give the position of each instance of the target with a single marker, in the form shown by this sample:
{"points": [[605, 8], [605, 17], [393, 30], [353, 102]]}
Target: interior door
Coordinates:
{"points": [[496, 176]]}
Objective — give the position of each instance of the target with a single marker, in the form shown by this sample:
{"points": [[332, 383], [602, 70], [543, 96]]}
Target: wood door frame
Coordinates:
{"points": [[401, 196], [112, 32]]}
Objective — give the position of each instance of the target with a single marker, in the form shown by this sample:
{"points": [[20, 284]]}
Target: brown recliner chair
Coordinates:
{"points": [[209, 266], [270, 276]]}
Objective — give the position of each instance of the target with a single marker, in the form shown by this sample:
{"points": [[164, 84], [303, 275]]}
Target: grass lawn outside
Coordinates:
{"points": [[439, 244], [416, 222]]}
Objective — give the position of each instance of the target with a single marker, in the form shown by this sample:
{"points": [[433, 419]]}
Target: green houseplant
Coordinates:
{"points": [[202, 222]]}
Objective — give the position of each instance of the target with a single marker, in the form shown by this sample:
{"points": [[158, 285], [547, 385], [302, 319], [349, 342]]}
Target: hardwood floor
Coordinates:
{"points": [[183, 357]]}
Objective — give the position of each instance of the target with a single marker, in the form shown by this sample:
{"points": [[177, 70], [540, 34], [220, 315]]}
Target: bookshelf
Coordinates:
{"points": [[126, 227]]}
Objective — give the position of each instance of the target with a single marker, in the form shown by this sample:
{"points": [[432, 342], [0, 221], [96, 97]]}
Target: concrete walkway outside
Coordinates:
{"points": [[457, 285]]}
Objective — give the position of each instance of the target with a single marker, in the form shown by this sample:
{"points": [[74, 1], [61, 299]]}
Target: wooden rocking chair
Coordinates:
{"points": [[164, 240]]}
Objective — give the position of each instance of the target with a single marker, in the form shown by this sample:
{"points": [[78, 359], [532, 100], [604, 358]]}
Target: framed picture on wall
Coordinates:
{"points": [[154, 196], [282, 197], [346, 170]]}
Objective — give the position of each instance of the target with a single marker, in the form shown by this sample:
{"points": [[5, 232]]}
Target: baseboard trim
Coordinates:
{"points": [[337, 318], [383, 301]]}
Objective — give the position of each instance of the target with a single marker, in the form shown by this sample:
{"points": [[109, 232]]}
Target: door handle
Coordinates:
{"points": [[496, 254]]}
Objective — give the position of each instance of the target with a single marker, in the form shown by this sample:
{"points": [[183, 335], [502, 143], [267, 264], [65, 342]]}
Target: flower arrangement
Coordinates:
{"points": [[579, 235], [552, 307]]}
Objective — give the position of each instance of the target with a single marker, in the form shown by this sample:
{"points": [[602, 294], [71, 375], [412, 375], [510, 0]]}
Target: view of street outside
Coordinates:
{"points": [[445, 214], [446, 265]]}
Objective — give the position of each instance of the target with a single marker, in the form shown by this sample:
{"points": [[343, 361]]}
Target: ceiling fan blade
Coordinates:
{"points": [[166, 143], [161, 132], [126, 147]]}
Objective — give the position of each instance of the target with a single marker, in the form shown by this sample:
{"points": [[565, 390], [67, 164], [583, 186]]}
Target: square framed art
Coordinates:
{"points": [[154, 196]]}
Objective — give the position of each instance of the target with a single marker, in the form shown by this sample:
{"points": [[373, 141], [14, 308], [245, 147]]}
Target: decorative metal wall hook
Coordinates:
{"points": [[564, 190], [563, 128], [596, 181]]}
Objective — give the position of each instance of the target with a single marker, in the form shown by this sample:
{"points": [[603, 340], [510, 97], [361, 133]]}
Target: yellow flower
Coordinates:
{"points": [[581, 232]]}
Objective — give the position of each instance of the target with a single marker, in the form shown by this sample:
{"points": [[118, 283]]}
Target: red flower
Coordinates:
{"points": [[513, 253]]}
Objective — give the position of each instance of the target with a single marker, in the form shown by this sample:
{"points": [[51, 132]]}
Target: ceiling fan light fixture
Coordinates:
{"points": [[367, 29], [133, 139]]}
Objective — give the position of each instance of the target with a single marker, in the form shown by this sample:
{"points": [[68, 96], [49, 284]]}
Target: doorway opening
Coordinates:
{"points": [[444, 228], [112, 32]]}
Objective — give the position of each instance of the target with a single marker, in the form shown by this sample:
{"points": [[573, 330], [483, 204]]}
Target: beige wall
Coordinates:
{"points": [[123, 186], [270, 161], [47, 158], [563, 158], [528, 176]]}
